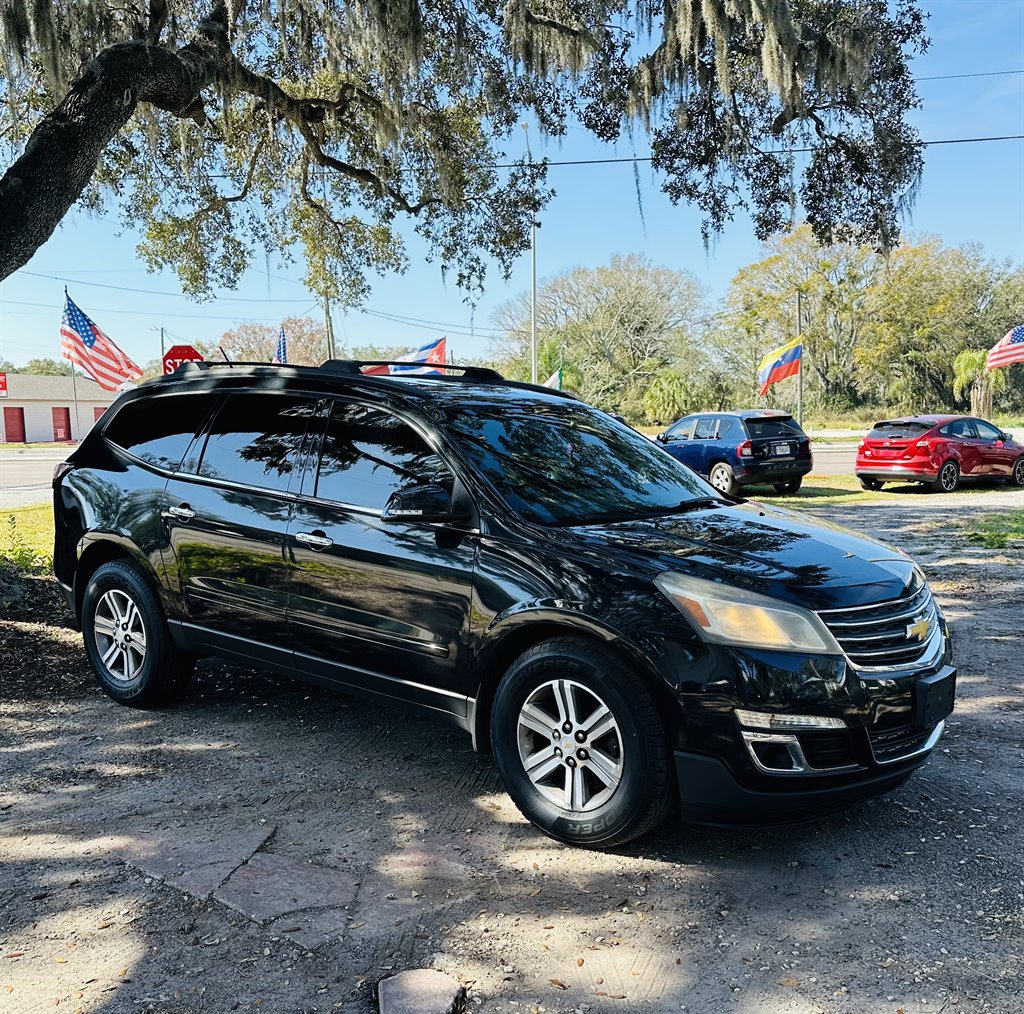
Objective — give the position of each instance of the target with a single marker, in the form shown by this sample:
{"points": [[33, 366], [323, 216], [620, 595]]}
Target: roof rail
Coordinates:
{"points": [[355, 366], [209, 364]]}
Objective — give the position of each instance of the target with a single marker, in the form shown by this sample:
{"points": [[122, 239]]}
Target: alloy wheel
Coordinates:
{"points": [[949, 476], [720, 480], [570, 745], [1018, 472], [120, 635]]}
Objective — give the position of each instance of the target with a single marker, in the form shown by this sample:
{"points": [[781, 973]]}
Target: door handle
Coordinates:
{"points": [[182, 512], [315, 540]]}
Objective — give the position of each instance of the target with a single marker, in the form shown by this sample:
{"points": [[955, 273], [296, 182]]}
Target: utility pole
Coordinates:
{"points": [[329, 327], [533, 278]]}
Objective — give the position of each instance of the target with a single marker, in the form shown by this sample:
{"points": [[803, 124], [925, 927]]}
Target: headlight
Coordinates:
{"points": [[727, 615]]}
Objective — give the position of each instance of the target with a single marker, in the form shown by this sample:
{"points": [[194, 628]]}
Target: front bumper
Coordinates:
{"points": [[709, 794], [893, 473]]}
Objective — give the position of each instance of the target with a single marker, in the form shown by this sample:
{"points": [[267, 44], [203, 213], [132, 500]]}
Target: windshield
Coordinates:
{"points": [[565, 463]]}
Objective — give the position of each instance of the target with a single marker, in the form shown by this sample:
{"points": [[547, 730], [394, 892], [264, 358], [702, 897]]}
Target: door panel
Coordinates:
{"points": [[997, 458], [381, 606], [14, 425], [61, 423], [226, 526]]}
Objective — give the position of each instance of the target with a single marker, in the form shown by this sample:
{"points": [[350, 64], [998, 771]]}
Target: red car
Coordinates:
{"points": [[939, 451]]}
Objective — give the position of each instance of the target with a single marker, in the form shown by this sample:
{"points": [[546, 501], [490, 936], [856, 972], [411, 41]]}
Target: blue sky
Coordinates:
{"points": [[969, 193]]}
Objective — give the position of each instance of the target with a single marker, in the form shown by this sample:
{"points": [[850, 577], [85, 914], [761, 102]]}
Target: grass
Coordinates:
{"points": [[26, 537], [997, 531], [42, 445]]}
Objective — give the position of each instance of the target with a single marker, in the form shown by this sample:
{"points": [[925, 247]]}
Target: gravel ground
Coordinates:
{"points": [[913, 902]]}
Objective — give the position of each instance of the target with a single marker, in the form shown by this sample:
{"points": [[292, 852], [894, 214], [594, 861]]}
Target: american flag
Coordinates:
{"points": [[85, 345], [1010, 349], [281, 355]]}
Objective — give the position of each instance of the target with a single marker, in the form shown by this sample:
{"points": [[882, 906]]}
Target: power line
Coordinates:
{"points": [[982, 73], [187, 316]]}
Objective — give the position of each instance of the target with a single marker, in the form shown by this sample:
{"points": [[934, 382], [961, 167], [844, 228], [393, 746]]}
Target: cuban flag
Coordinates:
{"points": [[780, 363], [428, 358], [281, 355]]}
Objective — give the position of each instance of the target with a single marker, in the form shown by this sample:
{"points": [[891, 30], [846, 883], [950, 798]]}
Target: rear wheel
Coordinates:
{"points": [[788, 487], [127, 640], [580, 746], [1017, 475], [723, 480], [948, 478], [872, 484]]}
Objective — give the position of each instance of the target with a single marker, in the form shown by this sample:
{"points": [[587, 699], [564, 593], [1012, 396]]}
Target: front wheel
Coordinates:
{"points": [[1017, 475], [127, 640], [580, 745], [793, 486], [948, 478], [872, 484], [722, 479]]}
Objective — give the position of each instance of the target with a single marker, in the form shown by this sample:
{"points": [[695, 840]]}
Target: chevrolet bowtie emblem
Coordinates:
{"points": [[918, 630]]}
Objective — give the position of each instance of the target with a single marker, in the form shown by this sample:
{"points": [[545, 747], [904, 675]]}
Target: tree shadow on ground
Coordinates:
{"points": [[833, 915]]}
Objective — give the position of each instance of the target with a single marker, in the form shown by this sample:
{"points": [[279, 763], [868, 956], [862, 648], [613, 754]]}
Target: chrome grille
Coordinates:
{"points": [[876, 636]]}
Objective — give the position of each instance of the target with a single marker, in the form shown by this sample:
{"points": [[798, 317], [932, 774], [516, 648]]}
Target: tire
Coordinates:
{"points": [[145, 670], [722, 479], [793, 486], [872, 484], [621, 797], [948, 478], [1017, 475]]}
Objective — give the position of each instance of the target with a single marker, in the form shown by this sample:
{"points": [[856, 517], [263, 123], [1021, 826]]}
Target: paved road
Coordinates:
{"points": [[25, 475], [834, 459]]}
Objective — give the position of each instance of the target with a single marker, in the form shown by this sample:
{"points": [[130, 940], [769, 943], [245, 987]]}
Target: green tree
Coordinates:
{"points": [[230, 128], [612, 329], [970, 374], [46, 367], [306, 340]]}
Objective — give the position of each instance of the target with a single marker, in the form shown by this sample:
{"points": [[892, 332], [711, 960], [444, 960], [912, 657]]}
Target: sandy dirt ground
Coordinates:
{"points": [[132, 845]]}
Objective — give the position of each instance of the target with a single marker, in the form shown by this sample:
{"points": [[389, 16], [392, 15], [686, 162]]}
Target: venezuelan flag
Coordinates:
{"points": [[780, 363]]}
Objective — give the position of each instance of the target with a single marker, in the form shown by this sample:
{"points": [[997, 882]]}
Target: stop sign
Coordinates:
{"points": [[178, 354]]}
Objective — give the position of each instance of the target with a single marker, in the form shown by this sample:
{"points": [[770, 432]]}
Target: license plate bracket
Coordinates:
{"points": [[933, 699]]}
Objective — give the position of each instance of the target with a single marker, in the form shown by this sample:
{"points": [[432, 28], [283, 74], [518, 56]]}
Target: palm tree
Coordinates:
{"points": [[969, 373]]}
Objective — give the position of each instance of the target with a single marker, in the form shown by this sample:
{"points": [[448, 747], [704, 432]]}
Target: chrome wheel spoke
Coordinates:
{"points": [[542, 763], [537, 721], [104, 626], [111, 651], [566, 703], [120, 635], [574, 789], [607, 769], [598, 723]]}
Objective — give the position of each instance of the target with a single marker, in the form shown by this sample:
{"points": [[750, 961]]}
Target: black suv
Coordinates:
{"points": [[503, 555]]}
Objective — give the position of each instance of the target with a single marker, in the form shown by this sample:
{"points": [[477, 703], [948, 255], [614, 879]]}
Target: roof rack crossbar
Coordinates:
{"points": [[355, 366]]}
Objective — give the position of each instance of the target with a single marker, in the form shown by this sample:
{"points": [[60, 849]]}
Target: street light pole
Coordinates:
{"points": [[533, 278]]}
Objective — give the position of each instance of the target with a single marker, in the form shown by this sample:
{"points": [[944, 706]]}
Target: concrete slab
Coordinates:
{"points": [[196, 866], [421, 991], [312, 928], [270, 886]]}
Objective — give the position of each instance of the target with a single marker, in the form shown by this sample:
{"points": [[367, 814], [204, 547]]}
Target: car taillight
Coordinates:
{"points": [[745, 450], [60, 470]]}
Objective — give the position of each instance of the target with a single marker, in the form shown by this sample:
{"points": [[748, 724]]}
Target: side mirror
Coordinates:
{"points": [[1008, 437], [428, 503], [662, 438]]}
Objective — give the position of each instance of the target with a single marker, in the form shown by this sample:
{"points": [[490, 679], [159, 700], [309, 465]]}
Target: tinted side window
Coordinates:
{"points": [[159, 430], [960, 428], [706, 429], [987, 432], [682, 430], [256, 439], [367, 454]]}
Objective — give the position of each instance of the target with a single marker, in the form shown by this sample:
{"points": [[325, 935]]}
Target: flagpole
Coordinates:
{"points": [[74, 390], [800, 372]]}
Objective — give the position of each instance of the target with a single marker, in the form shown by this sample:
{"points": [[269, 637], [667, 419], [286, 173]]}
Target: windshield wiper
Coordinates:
{"points": [[610, 518]]}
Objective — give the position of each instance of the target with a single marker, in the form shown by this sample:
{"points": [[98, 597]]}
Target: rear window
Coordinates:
{"points": [[773, 427], [898, 429], [159, 430]]}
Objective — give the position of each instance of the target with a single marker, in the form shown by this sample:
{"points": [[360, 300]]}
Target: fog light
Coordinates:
{"points": [[764, 720]]}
